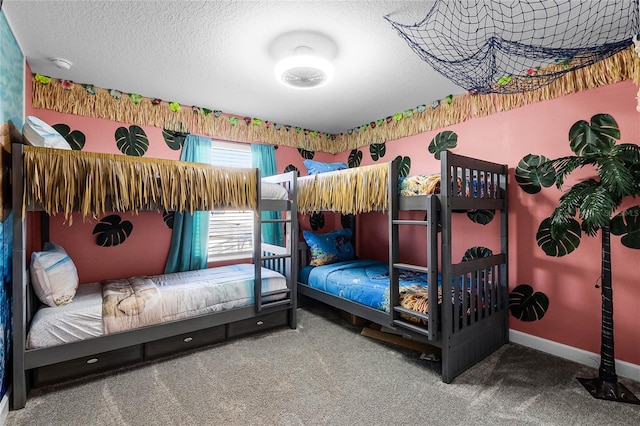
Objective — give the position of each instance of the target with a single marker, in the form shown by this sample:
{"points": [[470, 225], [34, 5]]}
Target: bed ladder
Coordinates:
{"points": [[399, 314]]}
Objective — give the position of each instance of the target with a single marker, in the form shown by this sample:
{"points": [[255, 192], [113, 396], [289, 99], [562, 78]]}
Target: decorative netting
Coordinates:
{"points": [[506, 46]]}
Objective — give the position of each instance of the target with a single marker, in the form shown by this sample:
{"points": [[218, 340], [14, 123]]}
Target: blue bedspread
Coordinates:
{"points": [[362, 281]]}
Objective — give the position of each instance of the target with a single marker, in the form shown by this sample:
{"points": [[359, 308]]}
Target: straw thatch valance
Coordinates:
{"points": [[83, 99], [93, 183], [351, 191]]}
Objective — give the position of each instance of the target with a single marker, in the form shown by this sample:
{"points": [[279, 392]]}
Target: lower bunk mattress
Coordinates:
{"points": [[117, 305], [367, 282]]}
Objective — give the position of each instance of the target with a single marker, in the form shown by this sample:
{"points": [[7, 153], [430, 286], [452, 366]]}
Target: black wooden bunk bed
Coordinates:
{"points": [[473, 322], [77, 358]]}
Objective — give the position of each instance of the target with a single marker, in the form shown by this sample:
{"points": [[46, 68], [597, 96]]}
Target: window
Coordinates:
{"points": [[230, 231]]}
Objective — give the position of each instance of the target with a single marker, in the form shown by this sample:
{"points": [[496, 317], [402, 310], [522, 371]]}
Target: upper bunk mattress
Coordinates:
{"points": [[181, 295]]}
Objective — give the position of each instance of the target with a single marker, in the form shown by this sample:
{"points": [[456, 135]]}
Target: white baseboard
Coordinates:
{"points": [[590, 359], [4, 409]]}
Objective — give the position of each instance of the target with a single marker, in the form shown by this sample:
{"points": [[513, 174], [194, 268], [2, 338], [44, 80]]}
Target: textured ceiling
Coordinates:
{"points": [[220, 55]]}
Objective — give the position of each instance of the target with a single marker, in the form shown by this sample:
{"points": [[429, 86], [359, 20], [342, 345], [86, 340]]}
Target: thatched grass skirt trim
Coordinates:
{"points": [[67, 181]]}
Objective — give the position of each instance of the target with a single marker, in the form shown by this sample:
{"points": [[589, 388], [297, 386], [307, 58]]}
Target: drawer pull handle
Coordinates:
{"points": [[260, 323], [188, 339], [92, 360]]}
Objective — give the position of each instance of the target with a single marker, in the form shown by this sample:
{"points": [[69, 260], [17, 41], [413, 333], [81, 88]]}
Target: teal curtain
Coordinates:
{"points": [[190, 235], [264, 158]]}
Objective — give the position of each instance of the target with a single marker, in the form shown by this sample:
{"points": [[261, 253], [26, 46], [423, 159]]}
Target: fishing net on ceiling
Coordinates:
{"points": [[504, 46]]}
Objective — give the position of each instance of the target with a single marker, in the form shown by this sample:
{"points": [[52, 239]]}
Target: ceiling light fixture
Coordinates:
{"points": [[303, 70], [61, 63]]}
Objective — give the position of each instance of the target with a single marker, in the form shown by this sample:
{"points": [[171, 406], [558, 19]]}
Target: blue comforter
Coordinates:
{"points": [[362, 281]]}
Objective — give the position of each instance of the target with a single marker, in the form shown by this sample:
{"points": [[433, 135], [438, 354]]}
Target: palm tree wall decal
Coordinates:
{"points": [[589, 206]]}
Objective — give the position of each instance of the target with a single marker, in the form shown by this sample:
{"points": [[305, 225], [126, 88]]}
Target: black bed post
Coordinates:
{"points": [[257, 246], [447, 317], [19, 281]]}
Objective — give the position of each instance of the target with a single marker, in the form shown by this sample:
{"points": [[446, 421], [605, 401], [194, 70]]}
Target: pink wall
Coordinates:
{"points": [[573, 317]]}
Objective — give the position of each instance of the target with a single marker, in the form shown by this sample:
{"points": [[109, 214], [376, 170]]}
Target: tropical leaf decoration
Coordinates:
{"points": [[527, 305], [290, 168], [558, 240], [355, 158], [404, 166], [377, 150], [132, 141], [76, 138], [168, 217], [596, 137], [347, 221], [481, 216], [307, 155], [627, 224], [112, 230], [533, 172], [174, 140], [476, 253], [443, 141], [316, 220]]}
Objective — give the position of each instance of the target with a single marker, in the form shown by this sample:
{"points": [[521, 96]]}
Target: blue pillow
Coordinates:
{"points": [[315, 167], [330, 247]]}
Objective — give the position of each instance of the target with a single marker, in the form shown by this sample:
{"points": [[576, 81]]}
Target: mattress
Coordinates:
{"points": [[367, 282], [199, 292], [273, 191]]}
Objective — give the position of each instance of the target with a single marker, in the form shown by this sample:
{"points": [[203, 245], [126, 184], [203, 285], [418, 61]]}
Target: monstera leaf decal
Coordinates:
{"points": [[482, 217], [526, 305], [599, 136], [112, 230], [76, 139], [168, 218], [316, 220], [347, 220], [291, 168], [132, 141], [377, 150], [355, 158], [307, 155], [534, 172], [627, 224], [404, 166], [558, 240], [174, 140], [476, 253], [443, 141]]}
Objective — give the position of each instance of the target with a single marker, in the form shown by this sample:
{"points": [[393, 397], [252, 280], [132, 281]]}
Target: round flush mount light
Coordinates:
{"points": [[303, 59], [303, 71], [61, 63]]}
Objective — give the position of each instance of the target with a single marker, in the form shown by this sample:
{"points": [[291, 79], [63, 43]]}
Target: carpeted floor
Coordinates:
{"points": [[326, 373]]}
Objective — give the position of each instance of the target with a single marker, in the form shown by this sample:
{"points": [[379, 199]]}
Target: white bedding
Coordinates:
{"points": [[185, 294], [273, 191]]}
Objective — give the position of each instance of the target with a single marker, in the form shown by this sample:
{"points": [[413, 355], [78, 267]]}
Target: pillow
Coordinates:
{"points": [[315, 167], [38, 133], [330, 247], [54, 277]]}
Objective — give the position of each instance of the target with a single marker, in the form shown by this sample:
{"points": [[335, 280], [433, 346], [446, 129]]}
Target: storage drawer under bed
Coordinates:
{"points": [[257, 324], [183, 342], [84, 366]]}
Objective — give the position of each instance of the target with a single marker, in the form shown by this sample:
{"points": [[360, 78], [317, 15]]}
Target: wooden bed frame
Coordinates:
{"points": [[463, 338], [77, 359]]}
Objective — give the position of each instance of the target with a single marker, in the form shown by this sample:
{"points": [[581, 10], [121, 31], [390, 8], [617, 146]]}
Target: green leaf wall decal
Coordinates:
{"points": [[76, 138], [316, 220], [377, 150], [526, 305], [132, 141], [174, 140], [168, 217], [112, 230], [481, 216], [627, 224], [476, 253], [290, 168], [533, 172], [443, 141], [307, 155], [404, 167], [558, 240], [355, 158], [594, 138]]}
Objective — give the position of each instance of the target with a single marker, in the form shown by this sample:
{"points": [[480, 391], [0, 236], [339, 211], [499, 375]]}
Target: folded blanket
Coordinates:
{"points": [[130, 303]]}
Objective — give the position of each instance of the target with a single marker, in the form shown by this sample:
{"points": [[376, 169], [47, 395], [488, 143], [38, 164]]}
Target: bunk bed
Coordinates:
{"points": [[469, 324], [265, 291]]}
